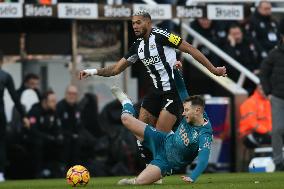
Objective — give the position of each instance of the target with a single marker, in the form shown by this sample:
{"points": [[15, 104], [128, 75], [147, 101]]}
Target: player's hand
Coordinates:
{"points": [[220, 71], [187, 179], [178, 65], [83, 74]]}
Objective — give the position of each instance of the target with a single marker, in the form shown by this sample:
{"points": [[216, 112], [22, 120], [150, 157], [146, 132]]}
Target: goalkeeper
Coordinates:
{"points": [[171, 151]]}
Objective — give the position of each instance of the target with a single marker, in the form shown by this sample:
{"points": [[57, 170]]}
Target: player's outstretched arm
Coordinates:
{"points": [[108, 71], [197, 55], [183, 94], [205, 141]]}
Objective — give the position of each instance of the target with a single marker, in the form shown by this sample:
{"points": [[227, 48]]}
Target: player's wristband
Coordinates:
{"points": [[91, 71]]}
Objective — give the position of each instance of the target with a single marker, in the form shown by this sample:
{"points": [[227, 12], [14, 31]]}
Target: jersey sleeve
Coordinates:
{"points": [[205, 141], [182, 91], [167, 38], [132, 55]]}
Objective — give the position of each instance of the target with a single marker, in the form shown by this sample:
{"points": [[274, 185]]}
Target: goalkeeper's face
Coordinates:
{"points": [[140, 25]]}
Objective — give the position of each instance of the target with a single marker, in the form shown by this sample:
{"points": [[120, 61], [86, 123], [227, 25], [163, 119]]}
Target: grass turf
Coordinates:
{"points": [[206, 181]]}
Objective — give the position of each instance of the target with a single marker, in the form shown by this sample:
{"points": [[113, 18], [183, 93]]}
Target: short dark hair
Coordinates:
{"points": [[235, 25], [142, 13], [196, 100], [46, 94], [30, 76]]}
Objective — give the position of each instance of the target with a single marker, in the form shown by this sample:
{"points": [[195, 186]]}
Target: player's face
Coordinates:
{"points": [[189, 112], [140, 25]]}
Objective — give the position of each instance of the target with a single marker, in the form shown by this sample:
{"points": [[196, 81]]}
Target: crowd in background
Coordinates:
{"points": [[65, 132]]}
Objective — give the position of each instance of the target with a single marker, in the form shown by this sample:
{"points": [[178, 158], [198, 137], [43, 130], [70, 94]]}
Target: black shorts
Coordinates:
{"points": [[155, 101]]}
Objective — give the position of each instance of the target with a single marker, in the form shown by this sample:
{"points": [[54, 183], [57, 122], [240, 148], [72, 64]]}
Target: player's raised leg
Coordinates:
{"points": [[128, 114], [166, 121]]}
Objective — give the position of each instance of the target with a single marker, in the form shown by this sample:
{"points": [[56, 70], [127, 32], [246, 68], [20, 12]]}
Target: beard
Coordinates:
{"points": [[143, 32]]}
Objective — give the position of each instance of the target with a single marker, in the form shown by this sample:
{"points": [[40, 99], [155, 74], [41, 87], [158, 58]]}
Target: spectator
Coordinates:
{"points": [[255, 123], [206, 28], [75, 135], [47, 138], [6, 81], [272, 80], [263, 28], [31, 81], [29, 95], [241, 48], [90, 114]]}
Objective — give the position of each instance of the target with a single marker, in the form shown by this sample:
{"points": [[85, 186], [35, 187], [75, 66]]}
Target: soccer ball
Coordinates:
{"points": [[78, 175]]}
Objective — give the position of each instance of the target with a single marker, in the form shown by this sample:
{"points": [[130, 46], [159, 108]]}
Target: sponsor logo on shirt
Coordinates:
{"points": [[151, 60]]}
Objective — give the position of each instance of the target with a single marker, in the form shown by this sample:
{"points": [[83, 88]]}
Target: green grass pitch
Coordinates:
{"points": [[206, 181]]}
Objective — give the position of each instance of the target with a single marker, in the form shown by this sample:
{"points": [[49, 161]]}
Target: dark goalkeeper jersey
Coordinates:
{"points": [[158, 56]]}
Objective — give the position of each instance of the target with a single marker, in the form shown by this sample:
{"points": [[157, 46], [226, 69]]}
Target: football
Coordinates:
{"points": [[78, 175]]}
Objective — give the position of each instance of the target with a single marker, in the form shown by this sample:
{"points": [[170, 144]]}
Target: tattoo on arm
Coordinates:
{"points": [[114, 69], [107, 71]]}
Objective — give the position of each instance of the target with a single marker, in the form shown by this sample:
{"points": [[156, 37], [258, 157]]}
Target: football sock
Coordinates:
{"points": [[129, 109]]}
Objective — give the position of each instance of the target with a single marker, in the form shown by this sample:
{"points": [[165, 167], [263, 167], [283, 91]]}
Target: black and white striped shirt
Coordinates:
{"points": [[158, 55]]}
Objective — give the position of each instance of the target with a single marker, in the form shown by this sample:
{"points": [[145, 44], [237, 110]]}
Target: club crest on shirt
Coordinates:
{"points": [[152, 46], [194, 134], [207, 144]]}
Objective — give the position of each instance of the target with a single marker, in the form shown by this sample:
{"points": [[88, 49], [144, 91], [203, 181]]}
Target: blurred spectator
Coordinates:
{"points": [[241, 48], [255, 123], [75, 136], [17, 136], [6, 81], [90, 115], [47, 138], [263, 28], [272, 80], [31, 81], [206, 28], [29, 95], [123, 154]]}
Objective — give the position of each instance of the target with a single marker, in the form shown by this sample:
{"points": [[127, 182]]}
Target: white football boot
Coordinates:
{"points": [[126, 181], [120, 95]]}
